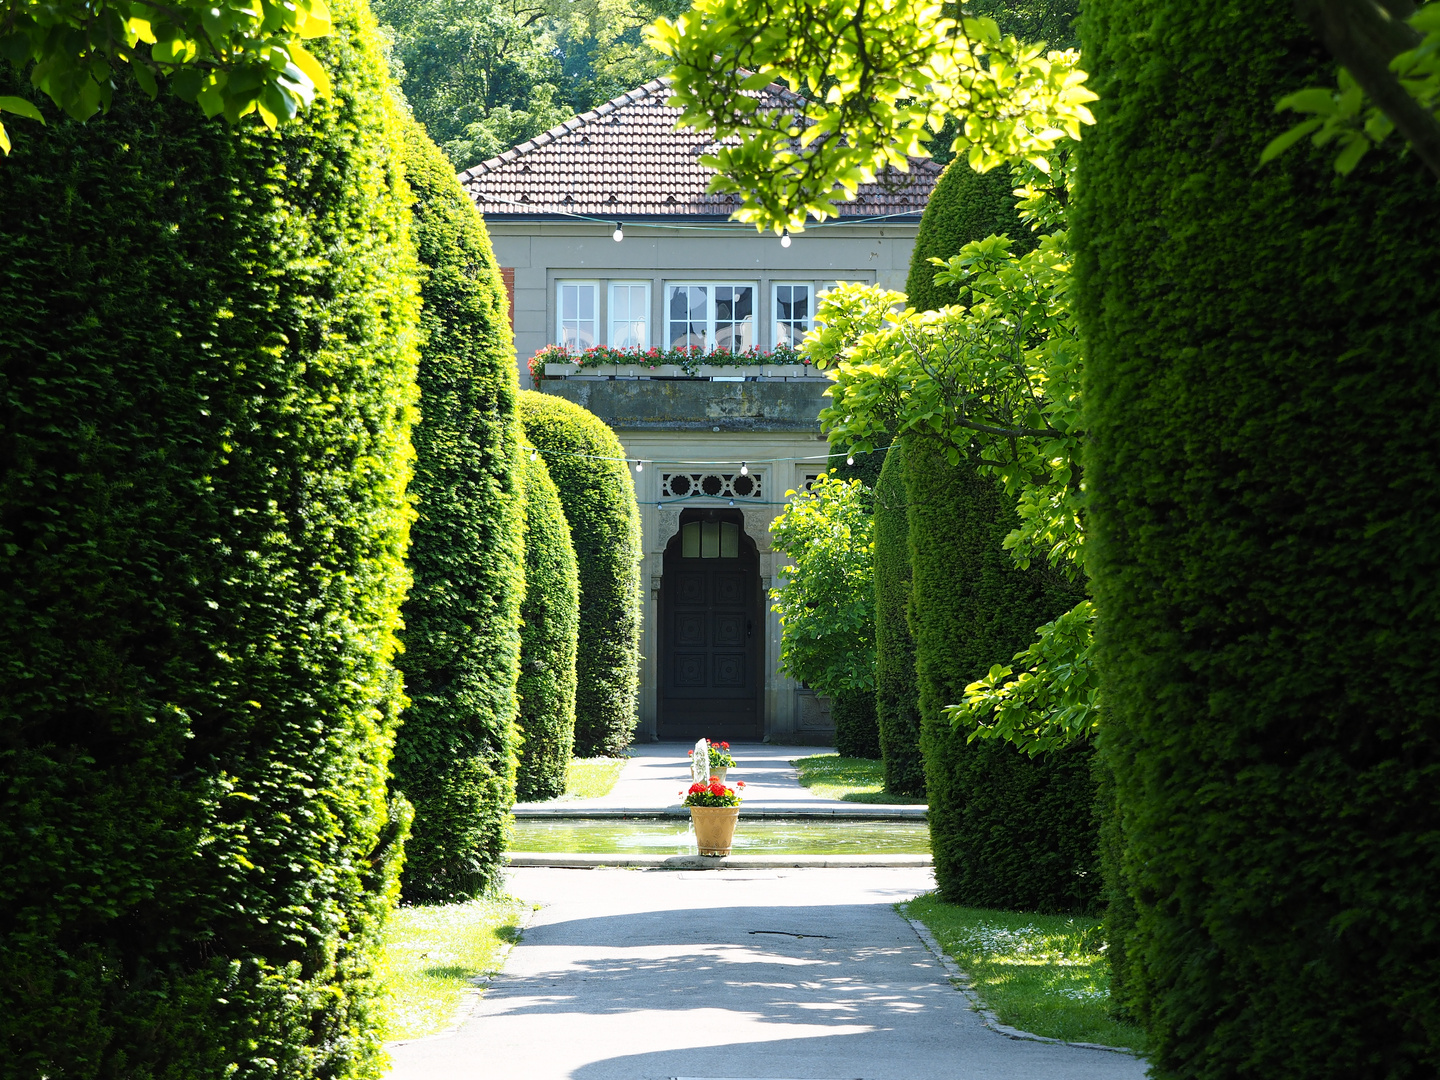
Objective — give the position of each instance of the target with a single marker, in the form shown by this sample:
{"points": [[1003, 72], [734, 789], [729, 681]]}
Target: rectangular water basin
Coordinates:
{"points": [[752, 837]]}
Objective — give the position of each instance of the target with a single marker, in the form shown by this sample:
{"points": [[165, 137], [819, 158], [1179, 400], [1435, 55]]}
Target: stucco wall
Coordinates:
{"points": [[542, 252]]}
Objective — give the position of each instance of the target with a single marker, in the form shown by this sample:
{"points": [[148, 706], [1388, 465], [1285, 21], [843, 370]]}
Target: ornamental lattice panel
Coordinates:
{"points": [[717, 485]]}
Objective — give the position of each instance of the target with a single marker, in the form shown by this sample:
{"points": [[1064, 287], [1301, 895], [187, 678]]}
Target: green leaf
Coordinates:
{"points": [[1281, 143], [20, 107], [1350, 157], [1311, 100]]}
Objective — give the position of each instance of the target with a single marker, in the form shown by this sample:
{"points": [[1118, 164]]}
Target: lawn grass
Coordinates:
{"points": [[590, 778], [849, 779], [1039, 973], [432, 954]]}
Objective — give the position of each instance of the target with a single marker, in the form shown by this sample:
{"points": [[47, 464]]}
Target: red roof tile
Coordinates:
{"points": [[626, 159]]}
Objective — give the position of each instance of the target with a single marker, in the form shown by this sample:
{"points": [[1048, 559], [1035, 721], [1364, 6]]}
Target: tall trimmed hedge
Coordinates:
{"points": [[549, 627], [857, 734], [1007, 830], [964, 206], [586, 461], [897, 699], [207, 373], [1263, 386], [455, 753]]}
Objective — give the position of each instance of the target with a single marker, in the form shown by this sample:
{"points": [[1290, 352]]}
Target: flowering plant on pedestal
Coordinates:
{"points": [[712, 794], [719, 755]]}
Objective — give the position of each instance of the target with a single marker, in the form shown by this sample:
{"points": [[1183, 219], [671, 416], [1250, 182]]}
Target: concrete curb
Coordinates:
{"points": [[706, 862], [760, 810], [961, 982]]}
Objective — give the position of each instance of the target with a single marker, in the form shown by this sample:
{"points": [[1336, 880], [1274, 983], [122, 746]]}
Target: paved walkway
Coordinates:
{"points": [[649, 975], [656, 773]]}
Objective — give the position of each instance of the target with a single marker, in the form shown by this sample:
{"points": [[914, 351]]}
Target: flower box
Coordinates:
{"points": [[714, 828]]}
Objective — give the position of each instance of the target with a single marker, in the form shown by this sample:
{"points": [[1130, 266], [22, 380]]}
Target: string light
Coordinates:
{"points": [[639, 467], [785, 238], [619, 232], [744, 469], [534, 454], [849, 461]]}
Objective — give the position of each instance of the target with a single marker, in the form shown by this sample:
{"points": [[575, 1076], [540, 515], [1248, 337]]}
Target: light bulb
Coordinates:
{"points": [[732, 502], [639, 467], [619, 232], [744, 469], [534, 454], [785, 238], [849, 461]]}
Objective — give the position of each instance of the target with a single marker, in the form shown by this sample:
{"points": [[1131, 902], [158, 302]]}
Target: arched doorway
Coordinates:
{"points": [[711, 628]]}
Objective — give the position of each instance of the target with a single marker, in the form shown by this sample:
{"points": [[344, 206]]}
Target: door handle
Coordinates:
{"points": [[749, 628]]}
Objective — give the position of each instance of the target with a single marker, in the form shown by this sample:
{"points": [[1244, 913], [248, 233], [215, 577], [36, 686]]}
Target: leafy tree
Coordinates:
{"points": [[827, 602], [484, 75], [877, 81], [233, 57]]}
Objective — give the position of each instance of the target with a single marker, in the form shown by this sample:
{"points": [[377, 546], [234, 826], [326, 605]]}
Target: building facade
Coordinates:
{"points": [[606, 236]]}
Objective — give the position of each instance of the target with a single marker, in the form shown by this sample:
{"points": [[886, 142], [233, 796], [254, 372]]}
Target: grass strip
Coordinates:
{"points": [[591, 778], [1045, 974], [434, 953], [849, 779]]}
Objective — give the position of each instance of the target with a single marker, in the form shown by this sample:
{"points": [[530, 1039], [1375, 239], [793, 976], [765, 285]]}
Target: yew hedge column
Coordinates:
{"points": [[207, 383], [1264, 460]]}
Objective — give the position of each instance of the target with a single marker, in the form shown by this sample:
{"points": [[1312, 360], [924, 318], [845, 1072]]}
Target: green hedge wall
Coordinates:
{"points": [[207, 378], [598, 493], [550, 623], [964, 206], [897, 699], [455, 753], [1263, 385], [1007, 831], [856, 732]]}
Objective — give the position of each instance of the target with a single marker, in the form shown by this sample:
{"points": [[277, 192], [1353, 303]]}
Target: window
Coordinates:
{"points": [[579, 317], [794, 310], [630, 315], [711, 317], [710, 540]]}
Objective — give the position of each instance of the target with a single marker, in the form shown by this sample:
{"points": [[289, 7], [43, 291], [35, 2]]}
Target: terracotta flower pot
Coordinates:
{"points": [[714, 828], [719, 774]]}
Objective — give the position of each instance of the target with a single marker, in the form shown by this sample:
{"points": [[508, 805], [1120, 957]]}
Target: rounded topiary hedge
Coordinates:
{"points": [[1007, 830], [455, 753], [549, 628], [964, 206], [588, 465], [207, 383], [897, 699], [1263, 423]]}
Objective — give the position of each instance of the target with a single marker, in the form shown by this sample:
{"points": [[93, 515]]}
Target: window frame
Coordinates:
{"points": [[711, 309], [561, 284], [776, 321], [610, 321]]}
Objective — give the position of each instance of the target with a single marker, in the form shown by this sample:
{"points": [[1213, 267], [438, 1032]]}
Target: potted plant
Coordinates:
{"points": [[714, 810], [720, 760]]}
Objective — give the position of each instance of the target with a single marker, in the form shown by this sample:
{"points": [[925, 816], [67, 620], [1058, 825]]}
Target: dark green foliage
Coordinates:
{"points": [[856, 734], [1006, 830], [1263, 387], [964, 206], [207, 375], [586, 461], [455, 754], [1050, 21], [549, 623], [897, 705]]}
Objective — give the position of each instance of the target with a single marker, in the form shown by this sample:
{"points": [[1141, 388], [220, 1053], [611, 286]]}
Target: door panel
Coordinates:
{"points": [[710, 664]]}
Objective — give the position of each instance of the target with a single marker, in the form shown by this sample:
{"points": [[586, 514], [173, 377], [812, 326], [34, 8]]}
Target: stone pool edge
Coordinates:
{"points": [[779, 813], [704, 862]]}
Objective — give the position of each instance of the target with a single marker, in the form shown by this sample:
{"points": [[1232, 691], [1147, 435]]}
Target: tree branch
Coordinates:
{"points": [[1365, 35]]}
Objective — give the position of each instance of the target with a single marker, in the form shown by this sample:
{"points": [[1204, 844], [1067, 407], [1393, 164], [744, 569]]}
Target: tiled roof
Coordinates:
{"points": [[626, 159]]}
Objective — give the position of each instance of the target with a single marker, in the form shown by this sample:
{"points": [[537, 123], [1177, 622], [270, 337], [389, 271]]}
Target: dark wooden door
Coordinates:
{"points": [[710, 645]]}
